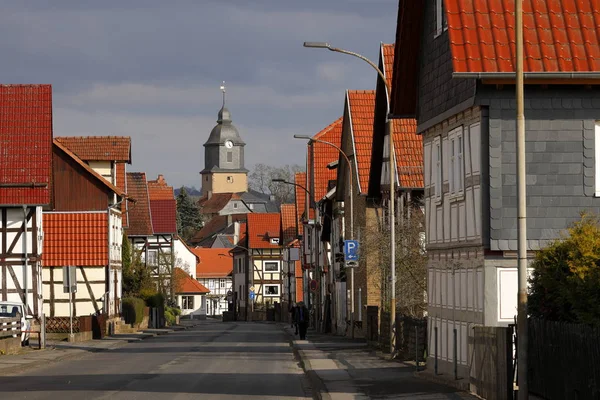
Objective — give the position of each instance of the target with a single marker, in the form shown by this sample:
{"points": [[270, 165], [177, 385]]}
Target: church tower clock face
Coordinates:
{"points": [[229, 144]]}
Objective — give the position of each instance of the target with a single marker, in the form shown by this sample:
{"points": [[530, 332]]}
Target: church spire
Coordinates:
{"points": [[224, 114], [223, 90]]}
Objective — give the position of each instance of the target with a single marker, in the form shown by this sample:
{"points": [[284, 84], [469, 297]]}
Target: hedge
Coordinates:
{"points": [[133, 310]]}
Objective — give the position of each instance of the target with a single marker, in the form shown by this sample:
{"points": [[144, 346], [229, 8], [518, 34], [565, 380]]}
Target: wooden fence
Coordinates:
{"points": [[564, 360], [63, 324], [10, 327]]}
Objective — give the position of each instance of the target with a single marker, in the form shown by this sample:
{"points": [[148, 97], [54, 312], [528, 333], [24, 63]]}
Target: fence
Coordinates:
{"points": [[491, 362], [10, 327], [63, 324], [564, 360], [411, 335]]}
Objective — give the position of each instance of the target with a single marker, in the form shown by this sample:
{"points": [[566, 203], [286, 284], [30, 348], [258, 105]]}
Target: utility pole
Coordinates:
{"points": [[521, 212]]}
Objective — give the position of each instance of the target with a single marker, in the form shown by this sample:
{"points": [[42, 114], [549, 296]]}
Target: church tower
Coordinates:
{"points": [[224, 170]]}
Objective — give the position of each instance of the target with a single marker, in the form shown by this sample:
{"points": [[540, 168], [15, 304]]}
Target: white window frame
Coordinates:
{"points": [[271, 295], [222, 283], [185, 302], [441, 23], [272, 262], [211, 284], [152, 257], [438, 179], [456, 170], [597, 158]]}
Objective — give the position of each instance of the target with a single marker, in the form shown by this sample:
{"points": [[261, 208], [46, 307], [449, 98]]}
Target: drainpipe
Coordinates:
{"points": [[26, 257]]}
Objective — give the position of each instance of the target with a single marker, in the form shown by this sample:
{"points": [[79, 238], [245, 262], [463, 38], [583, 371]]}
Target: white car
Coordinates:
{"points": [[10, 310]]}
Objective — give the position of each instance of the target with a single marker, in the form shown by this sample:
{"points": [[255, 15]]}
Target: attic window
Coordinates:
{"points": [[235, 205], [441, 24], [229, 179], [274, 240]]}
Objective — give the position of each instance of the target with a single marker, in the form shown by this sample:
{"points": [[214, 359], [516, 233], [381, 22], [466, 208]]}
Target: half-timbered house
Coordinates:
{"points": [[455, 73], [25, 175], [214, 271], [82, 231], [140, 228]]}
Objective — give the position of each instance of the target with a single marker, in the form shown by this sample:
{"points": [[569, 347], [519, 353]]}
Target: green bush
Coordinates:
{"points": [[133, 310], [565, 285], [153, 299], [170, 314]]}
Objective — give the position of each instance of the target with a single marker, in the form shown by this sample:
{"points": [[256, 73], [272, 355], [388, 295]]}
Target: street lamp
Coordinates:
{"points": [[390, 134], [310, 139]]}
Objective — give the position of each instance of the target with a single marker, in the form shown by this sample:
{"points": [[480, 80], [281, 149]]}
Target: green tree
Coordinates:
{"points": [[128, 273], [189, 220], [565, 284]]}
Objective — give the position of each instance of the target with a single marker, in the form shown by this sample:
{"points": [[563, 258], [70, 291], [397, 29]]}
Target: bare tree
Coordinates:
{"points": [[260, 178]]}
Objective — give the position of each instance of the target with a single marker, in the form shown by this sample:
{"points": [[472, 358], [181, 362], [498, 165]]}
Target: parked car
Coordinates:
{"points": [[11, 310]]}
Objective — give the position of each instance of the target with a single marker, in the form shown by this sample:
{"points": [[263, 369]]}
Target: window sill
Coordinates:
{"points": [[457, 197]]}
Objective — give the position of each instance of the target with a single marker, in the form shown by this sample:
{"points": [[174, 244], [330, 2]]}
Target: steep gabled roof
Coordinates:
{"points": [[261, 228], [140, 220], [408, 147], [74, 238], [217, 224], [558, 35], [361, 110], [288, 222], [25, 144], [214, 263], [99, 148], [163, 206], [187, 285], [215, 203], [325, 154]]}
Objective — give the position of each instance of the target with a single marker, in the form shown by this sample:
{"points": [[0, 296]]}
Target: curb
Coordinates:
{"points": [[317, 385]]}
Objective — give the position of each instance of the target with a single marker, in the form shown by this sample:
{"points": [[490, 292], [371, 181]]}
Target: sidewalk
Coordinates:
{"points": [[343, 368], [61, 350]]}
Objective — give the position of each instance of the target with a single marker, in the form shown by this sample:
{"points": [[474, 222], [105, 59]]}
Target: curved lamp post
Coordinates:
{"points": [[390, 131]]}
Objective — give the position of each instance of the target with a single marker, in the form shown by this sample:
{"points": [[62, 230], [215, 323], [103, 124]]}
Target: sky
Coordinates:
{"points": [[152, 70]]}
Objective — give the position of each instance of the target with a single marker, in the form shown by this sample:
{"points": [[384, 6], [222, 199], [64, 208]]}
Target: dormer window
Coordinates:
{"points": [[441, 24], [274, 240]]}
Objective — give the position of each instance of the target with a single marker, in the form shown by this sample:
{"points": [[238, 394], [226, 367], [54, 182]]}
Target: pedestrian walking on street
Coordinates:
{"points": [[302, 319]]}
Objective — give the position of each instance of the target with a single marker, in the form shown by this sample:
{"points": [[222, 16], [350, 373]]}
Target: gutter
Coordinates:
{"points": [[527, 75]]}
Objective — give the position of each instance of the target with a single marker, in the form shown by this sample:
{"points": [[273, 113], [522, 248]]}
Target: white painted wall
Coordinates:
{"points": [[82, 297], [104, 168], [199, 305], [184, 258]]}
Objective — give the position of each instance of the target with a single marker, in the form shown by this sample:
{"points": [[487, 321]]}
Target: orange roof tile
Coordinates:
{"points": [[361, 105], [78, 239], [325, 154], [25, 143], [140, 220], [388, 62], [558, 35], [159, 190], [408, 148], [215, 203], [261, 228], [288, 222], [214, 263], [99, 148], [187, 284]]}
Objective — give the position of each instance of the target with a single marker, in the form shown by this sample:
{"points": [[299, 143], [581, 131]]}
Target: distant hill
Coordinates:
{"points": [[192, 191]]}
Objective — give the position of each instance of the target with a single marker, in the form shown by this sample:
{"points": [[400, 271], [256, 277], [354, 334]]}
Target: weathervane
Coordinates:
{"points": [[223, 90]]}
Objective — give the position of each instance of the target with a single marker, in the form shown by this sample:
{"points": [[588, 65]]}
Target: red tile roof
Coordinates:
{"points": [[215, 203], [186, 284], [288, 222], [78, 239], [159, 190], [559, 35], [25, 143], [408, 148], [140, 221], [214, 263], [361, 105], [325, 154], [261, 228], [164, 216], [388, 62], [99, 148]]}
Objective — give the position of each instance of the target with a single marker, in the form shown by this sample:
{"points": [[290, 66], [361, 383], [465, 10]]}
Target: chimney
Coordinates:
{"points": [[229, 219], [236, 232]]}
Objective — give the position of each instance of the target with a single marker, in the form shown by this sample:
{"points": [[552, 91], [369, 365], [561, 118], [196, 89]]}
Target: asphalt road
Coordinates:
{"points": [[214, 360]]}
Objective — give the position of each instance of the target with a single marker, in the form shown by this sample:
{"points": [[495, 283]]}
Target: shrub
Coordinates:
{"points": [[133, 310], [565, 285], [152, 298], [170, 314]]}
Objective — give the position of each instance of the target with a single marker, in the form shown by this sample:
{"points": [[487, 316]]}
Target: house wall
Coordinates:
{"points": [[89, 298], [217, 182], [235, 207], [184, 258], [69, 178], [239, 283], [199, 305], [217, 298], [20, 282], [104, 168], [262, 277], [560, 161], [439, 96]]}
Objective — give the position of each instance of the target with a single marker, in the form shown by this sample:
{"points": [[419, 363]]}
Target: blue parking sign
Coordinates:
{"points": [[350, 250]]}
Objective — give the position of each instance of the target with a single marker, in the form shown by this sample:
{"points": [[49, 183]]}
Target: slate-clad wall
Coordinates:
{"points": [[560, 124], [438, 92]]}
